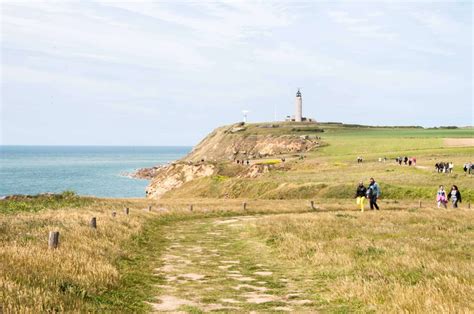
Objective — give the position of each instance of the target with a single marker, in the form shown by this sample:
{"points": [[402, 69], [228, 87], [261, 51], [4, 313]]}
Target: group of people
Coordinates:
{"points": [[444, 167], [406, 160], [243, 162], [468, 167], [371, 193], [443, 198]]}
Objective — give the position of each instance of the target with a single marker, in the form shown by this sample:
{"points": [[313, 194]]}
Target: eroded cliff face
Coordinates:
{"points": [[236, 142], [176, 174]]}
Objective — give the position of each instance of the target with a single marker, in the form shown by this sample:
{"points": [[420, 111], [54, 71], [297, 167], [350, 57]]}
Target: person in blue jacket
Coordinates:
{"points": [[373, 193]]}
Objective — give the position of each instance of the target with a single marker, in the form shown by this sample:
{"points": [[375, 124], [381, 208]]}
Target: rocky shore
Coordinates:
{"points": [[145, 173]]}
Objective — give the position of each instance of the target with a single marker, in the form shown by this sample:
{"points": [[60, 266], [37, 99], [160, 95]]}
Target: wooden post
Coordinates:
{"points": [[191, 207], [312, 205], [149, 208], [127, 211], [114, 214], [419, 203], [93, 223], [469, 205], [244, 206], [53, 241]]}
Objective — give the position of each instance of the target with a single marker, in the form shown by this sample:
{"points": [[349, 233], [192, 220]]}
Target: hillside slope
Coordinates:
{"points": [[217, 152]]}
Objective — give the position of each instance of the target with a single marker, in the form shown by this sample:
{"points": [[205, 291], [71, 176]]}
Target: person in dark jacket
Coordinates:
{"points": [[360, 195], [455, 196]]}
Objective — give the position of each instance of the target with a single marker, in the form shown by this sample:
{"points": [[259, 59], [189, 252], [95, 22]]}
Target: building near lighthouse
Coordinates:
{"points": [[298, 117]]}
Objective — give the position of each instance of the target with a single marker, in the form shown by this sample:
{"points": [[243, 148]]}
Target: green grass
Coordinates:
{"points": [[67, 199]]}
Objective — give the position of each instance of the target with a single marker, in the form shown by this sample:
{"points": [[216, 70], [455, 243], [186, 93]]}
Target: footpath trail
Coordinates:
{"points": [[210, 265]]}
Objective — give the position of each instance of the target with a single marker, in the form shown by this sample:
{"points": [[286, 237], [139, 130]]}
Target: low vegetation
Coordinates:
{"points": [[34, 203], [391, 261]]}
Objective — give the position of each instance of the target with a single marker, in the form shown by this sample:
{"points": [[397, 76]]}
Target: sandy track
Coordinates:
{"points": [[459, 142]]}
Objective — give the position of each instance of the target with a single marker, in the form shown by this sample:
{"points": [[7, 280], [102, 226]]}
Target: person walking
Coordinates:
{"points": [[441, 197], [455, 196], [373, 193], [360, 195]]}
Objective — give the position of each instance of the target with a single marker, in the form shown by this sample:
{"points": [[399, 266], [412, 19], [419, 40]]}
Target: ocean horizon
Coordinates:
{"points": [[85, 169]]}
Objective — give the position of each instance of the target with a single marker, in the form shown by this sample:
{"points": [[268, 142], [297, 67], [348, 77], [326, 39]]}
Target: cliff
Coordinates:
{"points": [[226, 145], [253, 141]]}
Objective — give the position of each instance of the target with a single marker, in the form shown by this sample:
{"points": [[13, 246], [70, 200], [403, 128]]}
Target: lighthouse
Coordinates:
{"points": [[299, 107]]}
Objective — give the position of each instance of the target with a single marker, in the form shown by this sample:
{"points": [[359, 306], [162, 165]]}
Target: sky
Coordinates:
{"points": [[169, 72]]}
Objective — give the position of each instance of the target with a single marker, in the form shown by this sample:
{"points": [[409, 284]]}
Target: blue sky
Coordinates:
{"points": [[166, 73]]}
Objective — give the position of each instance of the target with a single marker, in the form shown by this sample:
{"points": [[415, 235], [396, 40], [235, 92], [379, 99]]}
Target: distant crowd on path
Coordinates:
{"points": [[371, 193], [243, 162], [442, 198], [444, 167], [468, 167], [406, 160], [448, 167]]}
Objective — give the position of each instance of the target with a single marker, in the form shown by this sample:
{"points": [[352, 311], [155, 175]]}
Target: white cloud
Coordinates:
{"points": [[364, 26]]}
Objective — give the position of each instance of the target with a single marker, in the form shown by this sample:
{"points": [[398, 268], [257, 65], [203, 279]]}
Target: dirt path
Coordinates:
{"points": [[208, 267], [459, 142]]}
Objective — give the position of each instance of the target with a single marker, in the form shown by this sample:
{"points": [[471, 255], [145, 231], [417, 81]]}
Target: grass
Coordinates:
{"points": [[36, 203], [387, 261], [114, 267], [87, 264], [269, 162]]}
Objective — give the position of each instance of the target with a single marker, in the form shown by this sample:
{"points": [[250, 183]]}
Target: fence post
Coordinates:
{"points": [[244, 206], [419, 204], [191, 207], [127, 211], [469, 205], [53, 241], [93, 223], [149, 208], [114, 213]]}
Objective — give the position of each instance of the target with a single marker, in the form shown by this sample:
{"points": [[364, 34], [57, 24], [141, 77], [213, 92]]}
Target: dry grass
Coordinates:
{"points": [[34, 278], [397, 261], [85, 267]]}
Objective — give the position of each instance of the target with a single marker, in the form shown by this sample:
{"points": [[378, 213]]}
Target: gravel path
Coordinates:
{"points": [[208, 267]]}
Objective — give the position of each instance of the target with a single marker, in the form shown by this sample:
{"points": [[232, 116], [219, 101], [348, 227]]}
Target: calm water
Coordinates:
{"points": [[87, 170]]}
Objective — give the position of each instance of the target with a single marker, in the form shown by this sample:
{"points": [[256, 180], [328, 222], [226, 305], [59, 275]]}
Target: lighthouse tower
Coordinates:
{"points": [[299, 107]]}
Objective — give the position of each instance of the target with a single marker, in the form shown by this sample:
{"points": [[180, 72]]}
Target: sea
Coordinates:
{"points": [[100, 171]]}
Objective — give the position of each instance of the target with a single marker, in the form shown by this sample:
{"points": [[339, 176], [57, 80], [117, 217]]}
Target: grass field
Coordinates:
{"points": [[277, 255]]}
